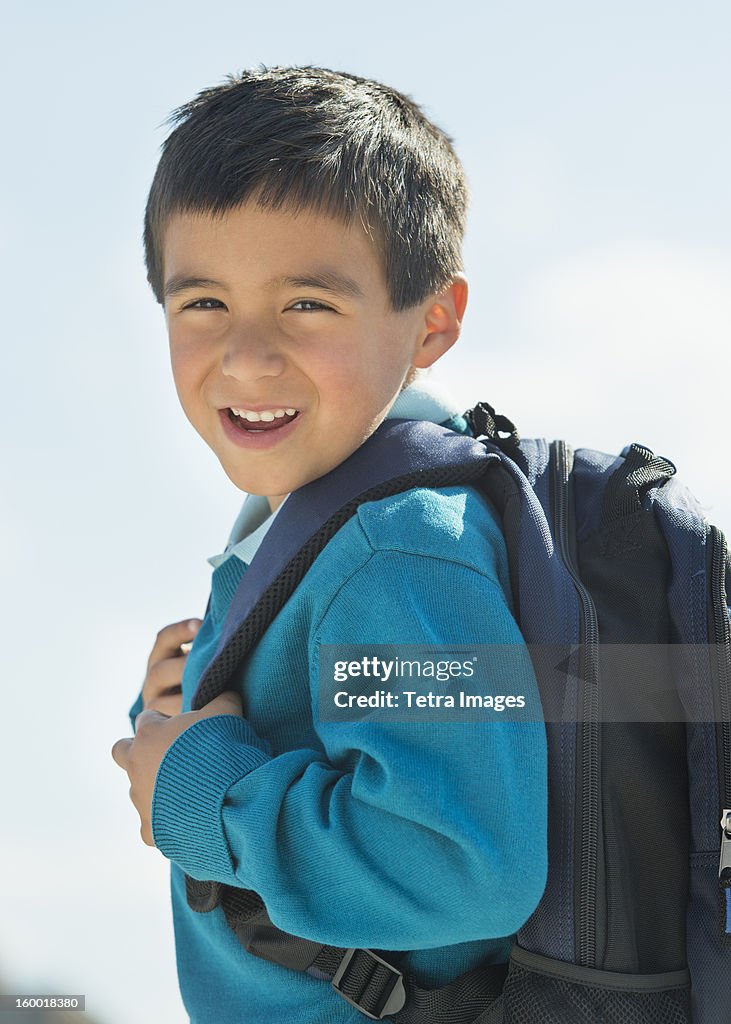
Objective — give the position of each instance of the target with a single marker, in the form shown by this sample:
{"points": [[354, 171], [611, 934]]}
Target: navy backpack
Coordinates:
{"points": [[613, 565]]}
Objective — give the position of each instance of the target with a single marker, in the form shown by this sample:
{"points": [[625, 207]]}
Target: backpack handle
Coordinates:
{"points": [[485, 422], [627, 485]]}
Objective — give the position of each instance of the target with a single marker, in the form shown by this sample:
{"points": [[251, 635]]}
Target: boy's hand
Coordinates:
{"points": [[141, 756], [161, 690]]}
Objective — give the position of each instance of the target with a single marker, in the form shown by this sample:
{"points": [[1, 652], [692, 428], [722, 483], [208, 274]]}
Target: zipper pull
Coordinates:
{"points": [[724, 867]]}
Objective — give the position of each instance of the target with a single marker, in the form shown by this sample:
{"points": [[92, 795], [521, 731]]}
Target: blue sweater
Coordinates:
{"points": [[426, 836]]}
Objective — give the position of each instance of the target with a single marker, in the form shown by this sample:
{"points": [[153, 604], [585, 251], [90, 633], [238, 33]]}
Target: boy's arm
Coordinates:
{"points": [[155, 732], [400, 835]]}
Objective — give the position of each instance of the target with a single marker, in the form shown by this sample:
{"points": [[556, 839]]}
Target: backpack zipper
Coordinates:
{"points": [[588, 731], [721, 639]]}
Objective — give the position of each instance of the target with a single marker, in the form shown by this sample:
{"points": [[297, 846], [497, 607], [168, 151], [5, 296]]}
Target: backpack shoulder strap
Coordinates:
{"points": [[400, 455]]}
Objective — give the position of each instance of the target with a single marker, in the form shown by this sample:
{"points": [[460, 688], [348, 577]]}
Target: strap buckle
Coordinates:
{"points": [[389, 1000]]}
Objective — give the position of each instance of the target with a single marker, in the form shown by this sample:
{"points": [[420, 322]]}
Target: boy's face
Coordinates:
{"points": [[287, 317]]}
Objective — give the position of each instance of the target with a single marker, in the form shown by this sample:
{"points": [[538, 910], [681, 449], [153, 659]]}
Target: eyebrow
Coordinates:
{"points": [[180, 283], [324, 280]]}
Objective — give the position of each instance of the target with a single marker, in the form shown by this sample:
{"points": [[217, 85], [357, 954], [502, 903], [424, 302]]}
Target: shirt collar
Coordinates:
{"points": [[252, 523], [424, 399]]}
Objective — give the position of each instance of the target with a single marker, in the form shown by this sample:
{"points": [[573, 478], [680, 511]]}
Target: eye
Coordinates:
{"points": [[205, 304], [315, 307]]}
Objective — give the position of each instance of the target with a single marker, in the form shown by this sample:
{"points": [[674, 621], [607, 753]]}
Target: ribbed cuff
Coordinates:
{"points": [[194, 776]]}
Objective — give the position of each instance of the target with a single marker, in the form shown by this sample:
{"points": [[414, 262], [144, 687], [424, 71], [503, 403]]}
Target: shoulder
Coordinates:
{"points": [[425, 566], [456, 524], [447, 525]]}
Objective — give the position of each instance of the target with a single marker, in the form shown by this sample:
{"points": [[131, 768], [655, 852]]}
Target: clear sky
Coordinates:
{"points": [[595, 138]]}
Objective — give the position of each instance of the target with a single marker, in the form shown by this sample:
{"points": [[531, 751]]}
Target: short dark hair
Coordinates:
{"points": [[312, 138]]}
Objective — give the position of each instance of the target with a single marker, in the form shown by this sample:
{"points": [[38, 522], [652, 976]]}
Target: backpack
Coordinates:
{"points": [[616, 573]]}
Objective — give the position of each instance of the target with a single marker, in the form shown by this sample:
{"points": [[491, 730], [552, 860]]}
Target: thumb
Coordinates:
{"points": [[227, 703]]}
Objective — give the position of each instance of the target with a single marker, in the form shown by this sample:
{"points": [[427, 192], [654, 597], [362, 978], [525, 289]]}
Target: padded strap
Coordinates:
{"points": [[364, 978], [204, 896], [286, 554]]}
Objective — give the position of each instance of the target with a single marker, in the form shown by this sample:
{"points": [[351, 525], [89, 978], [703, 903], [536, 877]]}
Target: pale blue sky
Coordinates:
{"points": [[596, 143]]}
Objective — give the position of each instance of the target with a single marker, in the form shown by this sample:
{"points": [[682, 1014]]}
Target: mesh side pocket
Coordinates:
{"points": [[543, 991]]}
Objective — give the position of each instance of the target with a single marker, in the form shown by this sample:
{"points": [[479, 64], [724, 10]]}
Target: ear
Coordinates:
{"points": [[443, 315]]}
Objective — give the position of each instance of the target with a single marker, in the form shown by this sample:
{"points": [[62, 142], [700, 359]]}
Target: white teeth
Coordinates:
{"points": [[267, 416]]}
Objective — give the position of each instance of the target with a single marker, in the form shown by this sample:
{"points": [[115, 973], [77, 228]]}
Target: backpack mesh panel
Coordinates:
{"points": [[532, 998]]}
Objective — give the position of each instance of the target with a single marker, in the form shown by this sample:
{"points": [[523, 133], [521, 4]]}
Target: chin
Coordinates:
{"points": [[252, 485]]}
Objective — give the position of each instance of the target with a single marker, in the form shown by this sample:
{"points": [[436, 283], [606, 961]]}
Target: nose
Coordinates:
{"points": [[250, 354]]}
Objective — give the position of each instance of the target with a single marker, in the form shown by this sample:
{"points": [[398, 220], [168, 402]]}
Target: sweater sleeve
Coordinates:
{"points": [[135, 710], [391, 834]]}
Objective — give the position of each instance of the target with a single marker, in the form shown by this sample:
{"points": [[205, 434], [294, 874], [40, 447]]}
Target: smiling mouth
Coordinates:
{"points": [[259, 425]]}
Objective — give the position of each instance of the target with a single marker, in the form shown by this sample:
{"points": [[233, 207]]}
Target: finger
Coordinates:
{"points": [[148, 718], [120, 752], [152, 700], [163, 677], [146, 834], [168, 640], [167, 704]]}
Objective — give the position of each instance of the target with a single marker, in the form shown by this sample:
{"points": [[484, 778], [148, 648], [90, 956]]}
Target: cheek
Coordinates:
{"points": [[334, 371], [366, 371], [180, 371], [186, 360]]}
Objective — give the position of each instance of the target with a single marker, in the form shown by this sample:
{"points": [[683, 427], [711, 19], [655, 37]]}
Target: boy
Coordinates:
{"points": [[303, 233]]}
